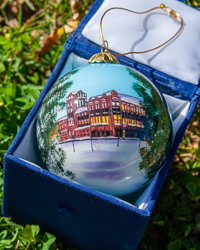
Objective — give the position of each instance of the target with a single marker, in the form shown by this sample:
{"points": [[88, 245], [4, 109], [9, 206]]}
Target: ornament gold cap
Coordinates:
{"points": [[103, 57]]}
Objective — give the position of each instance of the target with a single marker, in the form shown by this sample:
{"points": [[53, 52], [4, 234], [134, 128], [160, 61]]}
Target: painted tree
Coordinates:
{"points": [[160, 128], [47, 130]]}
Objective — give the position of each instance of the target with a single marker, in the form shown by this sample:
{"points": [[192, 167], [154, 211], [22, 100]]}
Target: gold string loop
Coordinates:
{"points": [[102, 46], [168, 11]]}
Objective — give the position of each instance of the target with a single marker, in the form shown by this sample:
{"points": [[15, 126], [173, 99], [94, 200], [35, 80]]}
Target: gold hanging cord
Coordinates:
{"points": [[168, 11]]}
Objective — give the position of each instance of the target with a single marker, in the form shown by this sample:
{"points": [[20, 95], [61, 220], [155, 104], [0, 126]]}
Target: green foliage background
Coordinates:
{"points": [[175, 222]]}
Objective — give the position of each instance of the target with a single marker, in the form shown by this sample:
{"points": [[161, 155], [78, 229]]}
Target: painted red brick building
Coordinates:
{"points": [[108, 115]]}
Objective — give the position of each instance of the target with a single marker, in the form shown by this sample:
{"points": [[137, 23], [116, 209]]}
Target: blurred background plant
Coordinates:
{"points": [[195, 3], [32, 33]]}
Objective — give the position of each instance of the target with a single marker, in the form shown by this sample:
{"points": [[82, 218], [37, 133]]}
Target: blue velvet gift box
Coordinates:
{"points": [[77, 215]]}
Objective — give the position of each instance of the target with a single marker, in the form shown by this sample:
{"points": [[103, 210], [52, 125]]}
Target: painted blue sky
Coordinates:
{"points": [[96, 79]]}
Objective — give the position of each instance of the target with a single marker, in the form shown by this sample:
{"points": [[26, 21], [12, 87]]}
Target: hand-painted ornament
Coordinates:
{"points": [[104, 126]]}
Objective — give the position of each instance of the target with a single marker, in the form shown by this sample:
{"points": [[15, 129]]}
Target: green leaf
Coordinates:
{"points": [[160, 223], [20, 17], [33, 87], [191, 187], [47, 243], [21, 101], [35, 230], [5, 139], [42, 246], [3, 5], [26, 234], [1, 183], [30, 5], [16, 64], [3, 40], [34, 78], [5, 242], [38, 3], [3, 234], [174, 245], [49, 239], [29, 105], [198, 225], [195, 198], [188, 231], [33, 93], [6, 221], [2, 67], [15, 237]]}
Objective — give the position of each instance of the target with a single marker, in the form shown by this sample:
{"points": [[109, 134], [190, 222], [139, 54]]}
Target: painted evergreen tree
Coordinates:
{"points": [[160, 130], [47, 130]]}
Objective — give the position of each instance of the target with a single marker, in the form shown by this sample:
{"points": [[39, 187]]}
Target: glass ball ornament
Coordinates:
{"points": [[104, 126]]}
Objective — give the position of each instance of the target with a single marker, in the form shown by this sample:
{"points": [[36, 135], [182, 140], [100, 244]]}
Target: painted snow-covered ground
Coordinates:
{"points": [[109, 166]]}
